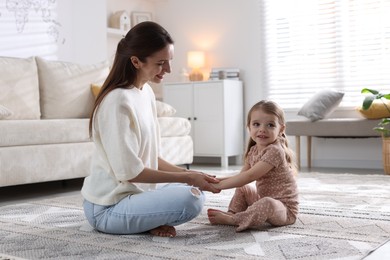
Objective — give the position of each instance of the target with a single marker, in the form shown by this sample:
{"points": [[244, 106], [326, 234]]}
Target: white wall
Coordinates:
{"points": [[84, 30], [68, 30]]}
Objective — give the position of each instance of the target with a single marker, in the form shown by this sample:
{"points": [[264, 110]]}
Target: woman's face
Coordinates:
{"points": [[155, 66]]}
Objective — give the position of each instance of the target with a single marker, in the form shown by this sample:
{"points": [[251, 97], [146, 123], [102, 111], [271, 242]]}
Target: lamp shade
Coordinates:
{"points": [[195, 59]]}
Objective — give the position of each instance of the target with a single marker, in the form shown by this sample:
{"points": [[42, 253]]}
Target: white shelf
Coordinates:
{"points": [[116, 32]]}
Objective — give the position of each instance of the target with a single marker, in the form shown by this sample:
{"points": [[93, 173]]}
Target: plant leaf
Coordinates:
{"points": [[387, 96], [367, 102], [385, 121], [372, 91], [382, 127], [382, 130]]}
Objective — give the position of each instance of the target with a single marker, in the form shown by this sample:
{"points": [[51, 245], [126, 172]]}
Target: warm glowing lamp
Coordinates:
{"points": [[196, 60]]}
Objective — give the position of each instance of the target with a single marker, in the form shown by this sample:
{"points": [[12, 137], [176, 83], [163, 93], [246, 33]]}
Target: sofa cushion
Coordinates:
{"points": [[164, 109], [40, 163], [174, 126], [19, 87], [5, 112], [177, 149], [39, 132], [65, 87]]}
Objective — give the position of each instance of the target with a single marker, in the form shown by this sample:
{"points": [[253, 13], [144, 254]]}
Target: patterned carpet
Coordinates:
{"points": [[342, 216]]}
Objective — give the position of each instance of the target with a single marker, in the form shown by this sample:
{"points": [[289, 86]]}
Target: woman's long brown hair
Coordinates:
{"points": [[141, 41]]}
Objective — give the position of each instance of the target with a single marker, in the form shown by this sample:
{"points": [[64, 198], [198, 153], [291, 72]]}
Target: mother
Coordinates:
{"points": [[122, 195]]}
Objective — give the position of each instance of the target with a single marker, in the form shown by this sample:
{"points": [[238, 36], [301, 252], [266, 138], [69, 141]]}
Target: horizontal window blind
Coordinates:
{"points": [[28, 28], [325, 44]]}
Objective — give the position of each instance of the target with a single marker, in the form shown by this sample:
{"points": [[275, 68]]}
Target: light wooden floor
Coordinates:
{"points": [[24, 193]]}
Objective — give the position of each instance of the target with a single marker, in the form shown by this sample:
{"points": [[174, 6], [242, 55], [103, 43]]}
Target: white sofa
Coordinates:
{"points": [[44, 111]]}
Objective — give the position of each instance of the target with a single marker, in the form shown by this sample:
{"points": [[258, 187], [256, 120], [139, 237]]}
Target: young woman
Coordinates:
{"points": [[269, 162], [121, 195]]}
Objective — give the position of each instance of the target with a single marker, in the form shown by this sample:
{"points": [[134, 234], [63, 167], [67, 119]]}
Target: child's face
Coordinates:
{"points": [[264, 128]]}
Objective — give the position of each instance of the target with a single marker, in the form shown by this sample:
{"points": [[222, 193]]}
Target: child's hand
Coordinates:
{"points": [[216, 186], [203, 181], [219, 185]]}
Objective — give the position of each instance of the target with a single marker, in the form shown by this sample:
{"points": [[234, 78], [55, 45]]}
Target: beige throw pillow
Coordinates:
{"points": [[19, 89], [66, 87], [95, 88]]}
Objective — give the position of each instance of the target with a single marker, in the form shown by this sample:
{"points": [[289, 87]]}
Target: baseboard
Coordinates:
{"points": [[233, 160]]}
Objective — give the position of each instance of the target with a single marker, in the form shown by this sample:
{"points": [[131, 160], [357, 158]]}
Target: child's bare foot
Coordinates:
{"points": [[163, 231], [218, 217]]}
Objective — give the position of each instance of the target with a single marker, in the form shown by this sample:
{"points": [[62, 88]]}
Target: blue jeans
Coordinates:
{"points": [[172, 204]]}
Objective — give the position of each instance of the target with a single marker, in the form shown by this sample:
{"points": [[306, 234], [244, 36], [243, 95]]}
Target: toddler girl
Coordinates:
{"points": [[269, 162]]}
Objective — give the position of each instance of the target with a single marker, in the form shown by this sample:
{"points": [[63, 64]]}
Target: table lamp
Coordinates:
{"points": [[195, 61]]}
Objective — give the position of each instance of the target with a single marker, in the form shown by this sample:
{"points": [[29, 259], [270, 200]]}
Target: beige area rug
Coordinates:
{"points": [[342, 216]]}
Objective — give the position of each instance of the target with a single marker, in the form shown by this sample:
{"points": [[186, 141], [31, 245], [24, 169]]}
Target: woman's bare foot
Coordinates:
{"points": [[218, 217], [163, 231]]}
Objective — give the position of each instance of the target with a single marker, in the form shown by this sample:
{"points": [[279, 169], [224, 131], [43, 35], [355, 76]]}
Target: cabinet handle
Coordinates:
{"points": [[195, 118], [189, 119]]}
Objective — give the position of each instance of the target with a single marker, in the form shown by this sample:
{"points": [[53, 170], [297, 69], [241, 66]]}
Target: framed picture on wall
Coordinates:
{"points": [[139, 17]]}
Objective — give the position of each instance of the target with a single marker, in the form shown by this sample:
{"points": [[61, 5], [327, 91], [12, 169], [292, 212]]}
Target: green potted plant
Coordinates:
{"points": [[383, 126]]}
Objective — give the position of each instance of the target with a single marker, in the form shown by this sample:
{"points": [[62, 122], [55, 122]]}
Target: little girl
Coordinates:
{"points": [[269, 162]]}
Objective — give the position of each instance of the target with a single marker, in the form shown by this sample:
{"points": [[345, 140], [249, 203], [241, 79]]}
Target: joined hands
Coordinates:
{"points": [[203, 181]]}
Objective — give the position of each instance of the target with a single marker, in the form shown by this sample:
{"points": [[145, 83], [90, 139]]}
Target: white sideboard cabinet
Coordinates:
{"points": [[215, 111]]}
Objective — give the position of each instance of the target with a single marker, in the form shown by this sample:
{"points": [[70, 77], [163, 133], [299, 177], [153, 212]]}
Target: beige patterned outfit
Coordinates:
{"points": [[275, 197]]}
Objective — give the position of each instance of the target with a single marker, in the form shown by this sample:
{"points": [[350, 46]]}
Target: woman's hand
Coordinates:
{"points": [[203, 181]]}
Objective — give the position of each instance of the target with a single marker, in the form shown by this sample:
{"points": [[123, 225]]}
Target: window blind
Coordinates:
{"points": [[28, 28], [336, 44]]}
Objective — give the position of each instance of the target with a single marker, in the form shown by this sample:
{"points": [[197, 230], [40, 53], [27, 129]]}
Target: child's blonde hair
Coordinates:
{"points": [[270, 107]]}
